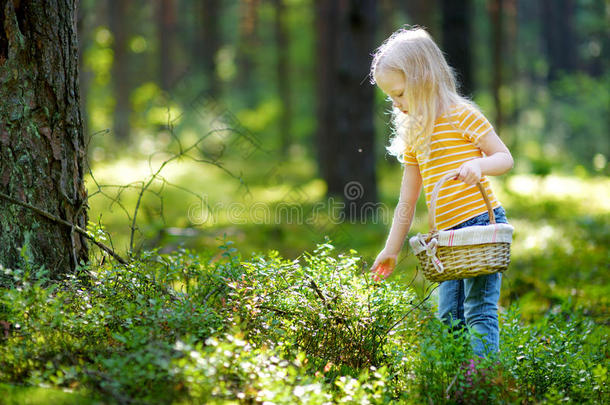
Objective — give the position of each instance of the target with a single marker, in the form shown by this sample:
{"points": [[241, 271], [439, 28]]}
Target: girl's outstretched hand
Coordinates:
{"points": [[383, 266]]}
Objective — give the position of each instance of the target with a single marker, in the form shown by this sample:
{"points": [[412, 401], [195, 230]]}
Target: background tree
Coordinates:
{"points": [[118, 21], [559, 38], [246, 50], [497, 42], [345, 33], [166, 29], [423, 13], [283, 75], [85, 23], [42, 145], [457, 44], [207, 42]]}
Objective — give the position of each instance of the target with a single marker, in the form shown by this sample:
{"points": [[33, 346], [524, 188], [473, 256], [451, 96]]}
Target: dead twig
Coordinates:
{"points": [[279, 311], [419, 304], [66, 223]]}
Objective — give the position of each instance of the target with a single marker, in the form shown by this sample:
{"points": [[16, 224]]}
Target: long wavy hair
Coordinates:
{"points": [[430, 87]]}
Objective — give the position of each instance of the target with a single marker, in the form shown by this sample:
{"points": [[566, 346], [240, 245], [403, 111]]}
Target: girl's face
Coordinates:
{"points": [[392, 83]]}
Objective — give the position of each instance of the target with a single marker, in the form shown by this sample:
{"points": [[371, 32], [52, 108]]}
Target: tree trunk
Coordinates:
{"points": [[422, 13], [42, 148], [345, 101], [283, 75], [248, 44], [457, 43], [497, 18], [599, 56], [557, 22], [326, 16], [389, 16], [511, 33], [120, 71], [208, 44], [166, 29]]}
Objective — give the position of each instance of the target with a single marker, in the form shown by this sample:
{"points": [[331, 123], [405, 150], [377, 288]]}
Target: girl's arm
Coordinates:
{"points": [[401, 223], [410, 188], [497, 160]]}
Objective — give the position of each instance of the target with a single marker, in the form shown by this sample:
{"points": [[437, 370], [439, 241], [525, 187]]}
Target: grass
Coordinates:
{"points": [[16, 395]]}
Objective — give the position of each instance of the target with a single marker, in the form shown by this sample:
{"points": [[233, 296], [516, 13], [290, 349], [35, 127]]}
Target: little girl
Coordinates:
{"points": [[437, 131]]}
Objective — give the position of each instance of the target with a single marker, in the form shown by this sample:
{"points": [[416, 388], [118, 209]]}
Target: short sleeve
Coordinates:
{"points": [[408, 157], [474, 124]]}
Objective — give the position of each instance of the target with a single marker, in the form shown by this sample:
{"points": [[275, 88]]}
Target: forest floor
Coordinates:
{"points": [[558, 280]]}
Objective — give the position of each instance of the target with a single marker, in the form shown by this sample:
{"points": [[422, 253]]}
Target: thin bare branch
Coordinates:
{"points": [[66, 223]]}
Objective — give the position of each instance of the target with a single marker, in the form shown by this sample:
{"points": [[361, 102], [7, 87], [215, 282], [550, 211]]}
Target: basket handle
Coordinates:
{"points": [[437, 189]]}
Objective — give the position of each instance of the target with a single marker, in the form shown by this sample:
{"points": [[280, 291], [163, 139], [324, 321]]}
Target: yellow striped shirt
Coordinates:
{"points": [[454, 142]]}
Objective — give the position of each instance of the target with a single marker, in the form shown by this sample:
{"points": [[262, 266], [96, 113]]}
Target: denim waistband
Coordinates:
{"points": [[483, 219]]}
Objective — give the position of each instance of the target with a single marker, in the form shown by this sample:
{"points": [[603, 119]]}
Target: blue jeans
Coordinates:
{"points": [[474, 301]]}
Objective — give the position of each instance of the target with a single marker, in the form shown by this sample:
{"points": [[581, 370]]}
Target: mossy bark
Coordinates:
{"points": [[42, 148]]}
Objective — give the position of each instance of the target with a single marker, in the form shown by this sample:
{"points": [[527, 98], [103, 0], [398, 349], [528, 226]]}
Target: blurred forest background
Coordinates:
{"points": [[264, 116], [236, 164]]}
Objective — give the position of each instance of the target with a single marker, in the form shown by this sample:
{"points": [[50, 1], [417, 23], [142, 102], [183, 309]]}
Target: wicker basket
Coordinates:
{"points": [[465, 252]]}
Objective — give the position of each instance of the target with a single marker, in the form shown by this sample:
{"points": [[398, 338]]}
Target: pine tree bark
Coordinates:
{"points": [[42, 147], [345, 37]]}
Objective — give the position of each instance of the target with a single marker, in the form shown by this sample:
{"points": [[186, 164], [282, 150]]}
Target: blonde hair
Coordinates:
{"points": [[430, 87]]}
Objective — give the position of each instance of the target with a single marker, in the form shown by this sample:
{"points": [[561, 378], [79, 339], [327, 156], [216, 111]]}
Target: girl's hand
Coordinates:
{"points": [[383, 265], [470, 172]]}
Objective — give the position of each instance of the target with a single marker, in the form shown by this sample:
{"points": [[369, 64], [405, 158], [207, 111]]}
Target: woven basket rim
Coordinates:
{"points": [[470, 235]]}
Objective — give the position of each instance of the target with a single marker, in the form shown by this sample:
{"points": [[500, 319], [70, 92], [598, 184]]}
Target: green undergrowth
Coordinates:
{"points": [[560, 248], [216, 327]]}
